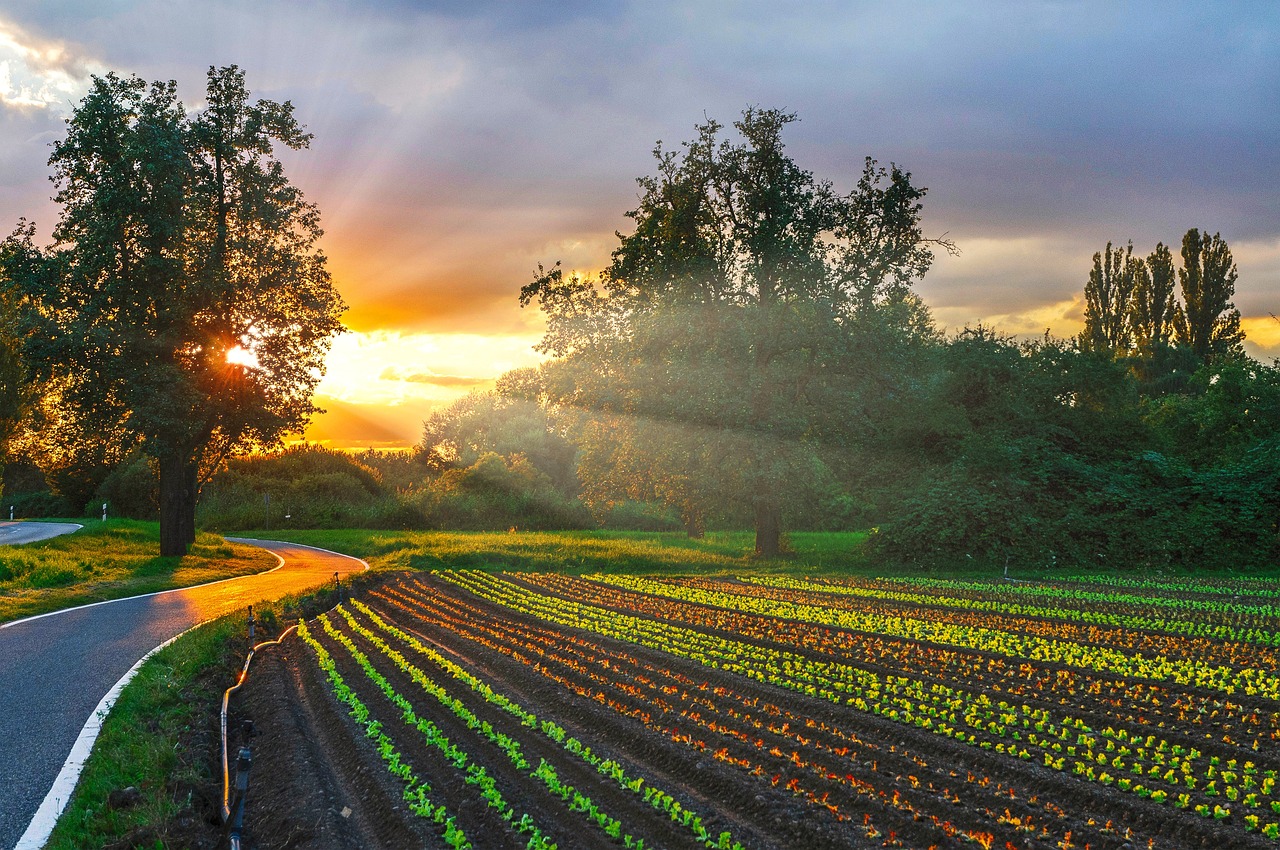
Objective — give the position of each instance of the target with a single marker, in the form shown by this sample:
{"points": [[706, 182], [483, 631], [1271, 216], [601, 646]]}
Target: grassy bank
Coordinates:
{"points": [[161, 737], [146, 743], [719, 553], [110, 560]]}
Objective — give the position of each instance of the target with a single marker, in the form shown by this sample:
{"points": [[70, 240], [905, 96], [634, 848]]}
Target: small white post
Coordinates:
{"points": [[11, 513], [104, 511]]}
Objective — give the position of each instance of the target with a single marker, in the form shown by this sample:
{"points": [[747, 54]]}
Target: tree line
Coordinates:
{"points": [[753, 355]]}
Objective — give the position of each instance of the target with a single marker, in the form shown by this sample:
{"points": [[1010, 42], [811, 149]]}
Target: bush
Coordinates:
{"points": [[131, 490], [37, 505]]}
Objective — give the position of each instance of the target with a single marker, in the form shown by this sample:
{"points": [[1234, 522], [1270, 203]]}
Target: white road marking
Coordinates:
{"points": [[46, 817]]}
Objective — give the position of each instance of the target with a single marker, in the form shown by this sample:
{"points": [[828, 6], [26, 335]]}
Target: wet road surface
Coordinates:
{"points": [[56, 668]]}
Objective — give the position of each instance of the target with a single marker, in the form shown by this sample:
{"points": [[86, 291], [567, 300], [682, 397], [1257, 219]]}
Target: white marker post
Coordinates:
{"points": [[104, 511]]}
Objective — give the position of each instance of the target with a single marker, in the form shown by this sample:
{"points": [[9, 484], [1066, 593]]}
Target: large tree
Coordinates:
{"points": [[751, 308], [1209, 323], [184, 300]]}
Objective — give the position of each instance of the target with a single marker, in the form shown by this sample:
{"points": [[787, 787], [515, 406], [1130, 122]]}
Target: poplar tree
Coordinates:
{"points": [[1209, 324], [1155, 306], [1108, 298]]}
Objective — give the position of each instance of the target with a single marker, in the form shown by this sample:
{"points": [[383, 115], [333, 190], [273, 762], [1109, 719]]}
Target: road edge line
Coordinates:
{"points": [[252, 540], [51, 808]]}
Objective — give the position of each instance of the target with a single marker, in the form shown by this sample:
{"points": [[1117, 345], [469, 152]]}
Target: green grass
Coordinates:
{"points": [[161, 736], [110, 560], [719, 553], [138, 747]]}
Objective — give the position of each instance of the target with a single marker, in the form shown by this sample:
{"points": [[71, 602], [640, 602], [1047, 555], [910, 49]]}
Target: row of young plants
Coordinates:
{"points": [[1083, 594], [803, 731], [808, 759], [416, 790], [1065, 743], [1260, 586], [1042, 623], [1250, 681], [573, 799], [1133, 616], [608, 768], [1103, 698]]}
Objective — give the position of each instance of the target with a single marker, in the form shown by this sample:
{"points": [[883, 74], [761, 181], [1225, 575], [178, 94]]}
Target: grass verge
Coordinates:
{"points": [[110, 560], [161, 737], [719, 553], [138, 746]]}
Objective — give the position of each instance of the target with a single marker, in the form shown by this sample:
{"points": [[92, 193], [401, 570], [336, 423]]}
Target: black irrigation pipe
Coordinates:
{"points": [[244, 759]]}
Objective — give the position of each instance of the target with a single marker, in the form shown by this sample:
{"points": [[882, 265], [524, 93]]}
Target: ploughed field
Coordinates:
{"points": [[541, 710]]}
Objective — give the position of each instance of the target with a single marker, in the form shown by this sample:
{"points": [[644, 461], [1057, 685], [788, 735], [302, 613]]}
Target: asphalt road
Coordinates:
{"points": [[30, 532], [56, 668]]}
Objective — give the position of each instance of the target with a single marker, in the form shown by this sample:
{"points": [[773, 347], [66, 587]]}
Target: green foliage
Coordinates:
{"points": [[495, 493], [510, 421], [130, 490], [1052, 458], [180, 241], [305, 485]]}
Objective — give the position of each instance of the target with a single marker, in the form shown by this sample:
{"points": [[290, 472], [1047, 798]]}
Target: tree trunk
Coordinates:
{"points": [[190, 489], [177, 506], [768, 528], [695, 524]]}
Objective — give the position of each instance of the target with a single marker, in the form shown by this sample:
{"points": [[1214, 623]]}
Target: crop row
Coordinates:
{"points": [[1108, 756], [416, 790], [1134, 617], [1251, 681], [434, 737], [771, 744], [1077, 594], [1105, 699], [608, 768]]}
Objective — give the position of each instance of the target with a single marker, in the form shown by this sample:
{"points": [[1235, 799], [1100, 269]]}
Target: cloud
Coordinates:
{"points": [[345, 425], [458, 144], [391, 373], [388, 367], [41, 74]]}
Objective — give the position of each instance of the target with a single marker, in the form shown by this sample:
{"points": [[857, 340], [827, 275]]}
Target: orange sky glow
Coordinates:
{"points": [[459, 145]]}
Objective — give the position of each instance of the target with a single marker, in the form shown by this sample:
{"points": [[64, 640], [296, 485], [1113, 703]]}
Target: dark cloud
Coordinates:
{"points": [[460, 143]]}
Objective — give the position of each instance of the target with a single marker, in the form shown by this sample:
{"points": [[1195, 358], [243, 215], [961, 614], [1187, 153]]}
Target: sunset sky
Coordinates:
{"points": [[459, 144]]}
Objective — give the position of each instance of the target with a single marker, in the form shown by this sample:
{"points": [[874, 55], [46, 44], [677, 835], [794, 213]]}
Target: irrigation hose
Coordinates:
{"points": [[226, 696]]}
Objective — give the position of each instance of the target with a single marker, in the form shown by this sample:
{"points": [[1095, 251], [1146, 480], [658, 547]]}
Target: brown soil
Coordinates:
{"points": [[695, 732]]}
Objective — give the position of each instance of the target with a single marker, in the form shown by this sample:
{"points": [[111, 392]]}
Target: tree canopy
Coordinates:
{"points": [[739, 319], [184, 300]]}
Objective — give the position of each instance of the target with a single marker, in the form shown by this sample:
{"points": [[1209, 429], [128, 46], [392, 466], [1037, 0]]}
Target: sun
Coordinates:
{"points": [[241, 356]]}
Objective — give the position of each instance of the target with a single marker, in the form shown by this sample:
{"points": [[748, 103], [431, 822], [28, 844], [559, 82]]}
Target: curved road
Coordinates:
{"points": [[29, 532], [56, 668]]}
